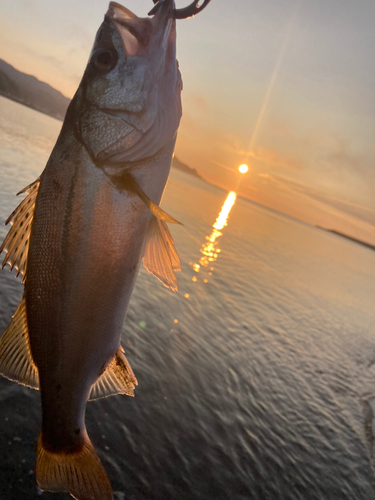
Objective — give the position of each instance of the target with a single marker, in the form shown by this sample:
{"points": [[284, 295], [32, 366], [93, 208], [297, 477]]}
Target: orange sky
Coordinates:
{"points": [[284, 85]]}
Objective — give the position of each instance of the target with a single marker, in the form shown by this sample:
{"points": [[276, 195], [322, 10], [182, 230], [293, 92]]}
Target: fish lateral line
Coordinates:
{"points": [[126, 182]]}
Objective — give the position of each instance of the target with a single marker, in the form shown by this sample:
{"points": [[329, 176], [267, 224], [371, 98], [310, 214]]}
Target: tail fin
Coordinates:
{"points": [[81, 473]]}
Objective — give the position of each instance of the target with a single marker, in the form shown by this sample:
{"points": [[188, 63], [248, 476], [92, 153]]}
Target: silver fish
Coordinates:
{"points": [[80, 234]]}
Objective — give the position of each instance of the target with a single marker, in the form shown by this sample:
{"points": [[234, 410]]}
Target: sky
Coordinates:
{"points": [[286, 86]]}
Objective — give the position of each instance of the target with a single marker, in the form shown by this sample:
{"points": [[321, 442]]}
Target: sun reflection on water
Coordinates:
{"points": [[221, 221], [210, 250], [203, 269]]}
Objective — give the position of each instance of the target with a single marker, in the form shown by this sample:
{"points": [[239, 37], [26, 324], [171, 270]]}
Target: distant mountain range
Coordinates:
{"points": [[343, 235], [176, 163], [28, 90]]}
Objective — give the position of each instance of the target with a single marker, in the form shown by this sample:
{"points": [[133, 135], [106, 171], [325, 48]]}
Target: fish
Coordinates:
{"points": [[79, 236]]}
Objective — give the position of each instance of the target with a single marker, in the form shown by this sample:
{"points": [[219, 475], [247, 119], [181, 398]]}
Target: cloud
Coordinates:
{"points": [[313, 206], [270, 157], [274, 159], [344, 156], [29, 7], [82, 35], [219, 164], [196, 101], [266, 176], [364, 213]]}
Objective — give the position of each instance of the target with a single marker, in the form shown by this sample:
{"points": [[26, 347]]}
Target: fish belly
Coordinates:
{"points": [[85, 249]]}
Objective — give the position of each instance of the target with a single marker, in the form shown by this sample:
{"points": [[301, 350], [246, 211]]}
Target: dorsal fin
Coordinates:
{"points": [[161, 258], [117, 378], [16, 363], [16, 242]]}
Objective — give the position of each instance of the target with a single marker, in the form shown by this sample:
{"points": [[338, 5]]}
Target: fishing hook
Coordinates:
{"points": [[189, 11]]}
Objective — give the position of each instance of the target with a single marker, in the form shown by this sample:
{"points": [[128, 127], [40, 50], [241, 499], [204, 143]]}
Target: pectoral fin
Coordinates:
{"points": [[16, 363], [128, 183], [16, 243], [161, 258], [117, 378]]}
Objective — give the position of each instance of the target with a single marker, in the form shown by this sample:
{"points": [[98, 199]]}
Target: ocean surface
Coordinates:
{"points": [[255, 380]]}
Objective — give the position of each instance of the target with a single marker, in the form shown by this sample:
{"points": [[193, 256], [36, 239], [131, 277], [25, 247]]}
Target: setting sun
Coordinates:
{"points": [[243, 168]]}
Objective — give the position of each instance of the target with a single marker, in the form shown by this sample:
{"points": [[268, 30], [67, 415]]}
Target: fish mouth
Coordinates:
{"points": [[135, 31], [150, 45]]}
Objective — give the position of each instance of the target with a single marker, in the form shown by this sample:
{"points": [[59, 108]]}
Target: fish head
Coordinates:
{"points": [[128, 105]]}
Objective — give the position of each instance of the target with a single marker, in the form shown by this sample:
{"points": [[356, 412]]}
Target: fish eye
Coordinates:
{"points": [[104, 60]]}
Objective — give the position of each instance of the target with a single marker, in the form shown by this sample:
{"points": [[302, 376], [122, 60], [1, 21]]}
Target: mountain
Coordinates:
{"points": [[356, 240], [176, 163], [30, 91]]}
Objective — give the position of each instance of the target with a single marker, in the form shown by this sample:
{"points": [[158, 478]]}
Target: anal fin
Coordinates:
{"points": [[16, 362], [161, 258], [117, 378]]}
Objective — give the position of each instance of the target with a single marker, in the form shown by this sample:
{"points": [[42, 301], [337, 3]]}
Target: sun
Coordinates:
{"points": [[243, 168]]}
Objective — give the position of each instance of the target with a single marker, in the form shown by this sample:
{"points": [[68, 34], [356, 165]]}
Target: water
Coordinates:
{"points": [[259, 391]]}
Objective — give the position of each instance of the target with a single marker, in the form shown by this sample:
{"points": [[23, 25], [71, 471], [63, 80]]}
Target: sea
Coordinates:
{"points": [[256, 380]]}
